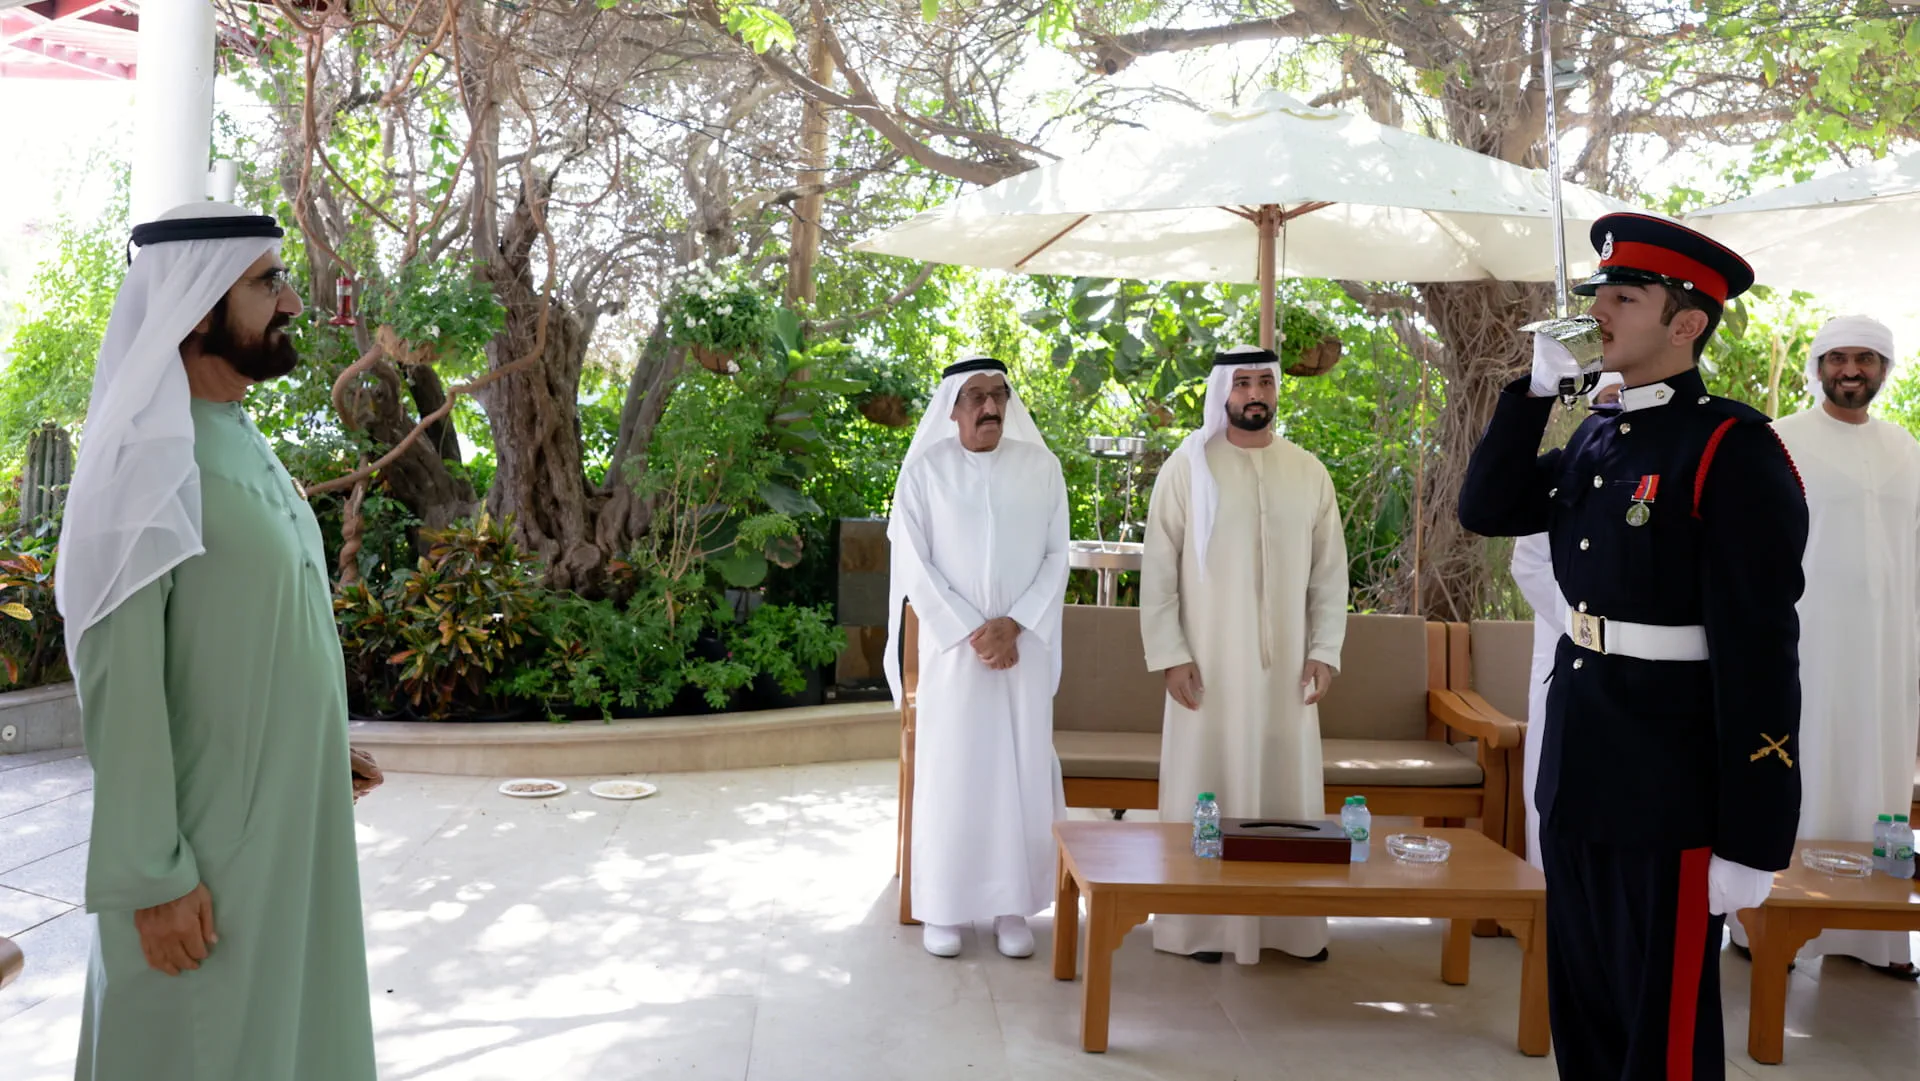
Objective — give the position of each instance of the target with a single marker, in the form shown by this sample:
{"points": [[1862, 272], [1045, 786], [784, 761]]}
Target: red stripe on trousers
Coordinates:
{"points": [[1689, 954]]}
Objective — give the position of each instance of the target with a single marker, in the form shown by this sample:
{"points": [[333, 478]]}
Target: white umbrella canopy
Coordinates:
{"points": [[1203, 201], [1848, 237]]}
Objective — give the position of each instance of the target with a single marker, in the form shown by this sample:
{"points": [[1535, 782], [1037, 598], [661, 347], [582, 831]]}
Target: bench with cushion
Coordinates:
{"points": [[1391, 729]]}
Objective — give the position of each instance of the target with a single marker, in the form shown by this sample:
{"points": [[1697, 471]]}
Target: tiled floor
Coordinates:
{"points": [[740, 925]]}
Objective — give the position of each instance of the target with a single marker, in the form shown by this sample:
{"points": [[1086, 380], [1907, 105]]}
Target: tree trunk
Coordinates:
{"points": [[625, 515], [420, 477], [1484, 351], [540, 480], [813, 146]]}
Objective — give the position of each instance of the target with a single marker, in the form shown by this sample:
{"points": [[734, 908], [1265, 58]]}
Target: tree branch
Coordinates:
{"points": [[864, 105], [835, 326], [1113, 53]]}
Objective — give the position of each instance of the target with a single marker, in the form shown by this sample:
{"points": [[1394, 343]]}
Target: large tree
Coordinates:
{"points": [[580, 155]]}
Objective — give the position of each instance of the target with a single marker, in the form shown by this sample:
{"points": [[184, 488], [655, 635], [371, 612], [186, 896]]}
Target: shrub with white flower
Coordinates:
{"points": [[719, 310]]}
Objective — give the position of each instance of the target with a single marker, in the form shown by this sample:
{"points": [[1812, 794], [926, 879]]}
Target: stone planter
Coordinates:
{"points": [[41, 719]]}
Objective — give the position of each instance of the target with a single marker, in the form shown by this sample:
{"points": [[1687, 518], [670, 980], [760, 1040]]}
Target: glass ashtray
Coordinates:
{"points": [[1830, 861], [1418, 848]]}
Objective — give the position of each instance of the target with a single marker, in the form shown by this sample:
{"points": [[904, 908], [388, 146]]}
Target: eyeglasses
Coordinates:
{"points": [[274, 281], [974, 399]]}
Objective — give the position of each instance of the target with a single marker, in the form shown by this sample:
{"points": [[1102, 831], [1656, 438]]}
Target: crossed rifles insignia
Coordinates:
{"points": [[1774, 746]]}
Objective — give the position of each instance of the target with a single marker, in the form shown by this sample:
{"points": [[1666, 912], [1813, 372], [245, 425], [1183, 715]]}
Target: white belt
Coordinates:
{"points": [[1642, 640]]}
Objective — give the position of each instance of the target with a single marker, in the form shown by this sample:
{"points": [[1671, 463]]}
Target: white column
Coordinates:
{"points": [[173, 106]]}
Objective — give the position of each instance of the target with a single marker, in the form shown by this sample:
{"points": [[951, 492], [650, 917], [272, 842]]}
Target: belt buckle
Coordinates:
{"points": [[1589, 631]]}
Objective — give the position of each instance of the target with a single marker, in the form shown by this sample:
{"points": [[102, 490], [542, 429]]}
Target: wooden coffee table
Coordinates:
{"points": [[1130, 870], [1803, 904]]}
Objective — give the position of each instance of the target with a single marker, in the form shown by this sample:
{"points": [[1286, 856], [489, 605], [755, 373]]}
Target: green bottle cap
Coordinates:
{"points": [[1886, 818], [1360, 801], [1206, 795], [1899, 818]]}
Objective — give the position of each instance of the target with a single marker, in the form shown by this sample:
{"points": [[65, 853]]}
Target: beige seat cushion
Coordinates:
{"points": [[1133, 756], [1398, 763], [1349, 763]]}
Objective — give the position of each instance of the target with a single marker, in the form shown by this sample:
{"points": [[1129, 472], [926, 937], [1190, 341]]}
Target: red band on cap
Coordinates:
{"points": [[1634, 255]]}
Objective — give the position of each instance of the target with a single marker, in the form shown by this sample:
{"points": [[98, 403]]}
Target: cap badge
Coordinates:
{"points": [[1606, 247]]}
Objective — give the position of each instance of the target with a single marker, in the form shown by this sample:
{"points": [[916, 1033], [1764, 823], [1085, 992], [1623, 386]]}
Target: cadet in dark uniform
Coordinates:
{"points": [[1668, 789]]}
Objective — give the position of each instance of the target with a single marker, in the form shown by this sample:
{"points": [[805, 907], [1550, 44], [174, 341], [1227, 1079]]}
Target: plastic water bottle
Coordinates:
{"points": [[1883, 844], [1206, 827], [1900, 855], [1357, 821]]}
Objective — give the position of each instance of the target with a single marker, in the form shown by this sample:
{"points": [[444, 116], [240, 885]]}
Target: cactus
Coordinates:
{"points": [[49, 471]]}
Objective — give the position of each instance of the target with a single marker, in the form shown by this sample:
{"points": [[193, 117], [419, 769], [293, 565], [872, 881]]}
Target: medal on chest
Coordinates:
{"points": [[1642, 509]]}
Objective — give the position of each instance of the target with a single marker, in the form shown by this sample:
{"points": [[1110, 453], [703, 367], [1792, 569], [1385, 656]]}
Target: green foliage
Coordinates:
{"points": [[1758, 356], [1158, 337], [719, 311], [887, 378], [438, 636], [32, 645], [782, 642], [65, 317], [732, 458], [606, 659], [443, 309], [609, 658], [759, 26]]}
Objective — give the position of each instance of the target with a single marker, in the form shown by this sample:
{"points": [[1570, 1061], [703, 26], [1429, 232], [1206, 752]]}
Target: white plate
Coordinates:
{"points": [[624, 789], [516, 789]]}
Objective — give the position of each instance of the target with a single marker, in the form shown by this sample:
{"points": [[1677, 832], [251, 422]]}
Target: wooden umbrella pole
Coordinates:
{"points": [[1419, 482], [1267, 220]]}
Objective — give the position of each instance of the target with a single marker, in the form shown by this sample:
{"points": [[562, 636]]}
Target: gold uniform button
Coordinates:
{"points": [[1582, 606], [1704, 399], [1551, 492], [1579, 662], [1599, 481], [1625, 429], [1585, 544]]}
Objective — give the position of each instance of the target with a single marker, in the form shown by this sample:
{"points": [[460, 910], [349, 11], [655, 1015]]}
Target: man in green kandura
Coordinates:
{"points": [[227, 944]]}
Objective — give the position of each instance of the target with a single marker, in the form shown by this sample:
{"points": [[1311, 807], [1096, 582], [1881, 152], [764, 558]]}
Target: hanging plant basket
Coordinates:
{"points": [[887, 410], [714, 360], [1318, 359]]}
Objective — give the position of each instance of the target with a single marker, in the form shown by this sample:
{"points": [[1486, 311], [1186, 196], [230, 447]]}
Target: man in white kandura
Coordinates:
{"points": [[1859, 647], [1243, 606], [979, 538], [1532, 568]]}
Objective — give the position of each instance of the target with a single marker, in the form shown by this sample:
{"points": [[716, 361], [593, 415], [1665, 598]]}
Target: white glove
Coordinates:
{"points": [[1551, 363], [1732, 887]]}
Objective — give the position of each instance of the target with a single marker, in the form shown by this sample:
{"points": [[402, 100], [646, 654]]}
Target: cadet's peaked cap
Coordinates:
{"points": [[1639, 249]]}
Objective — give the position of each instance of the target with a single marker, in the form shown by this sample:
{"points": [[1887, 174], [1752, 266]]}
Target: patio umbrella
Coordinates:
{"points": [[1849, 236], [1243, 196]]}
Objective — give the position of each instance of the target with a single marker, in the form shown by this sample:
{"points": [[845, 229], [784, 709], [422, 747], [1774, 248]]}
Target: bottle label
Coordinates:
{"points": [[1902, 852]]}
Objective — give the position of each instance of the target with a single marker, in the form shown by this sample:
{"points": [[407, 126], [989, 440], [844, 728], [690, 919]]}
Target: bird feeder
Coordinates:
{"points": [[343, 315]]}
